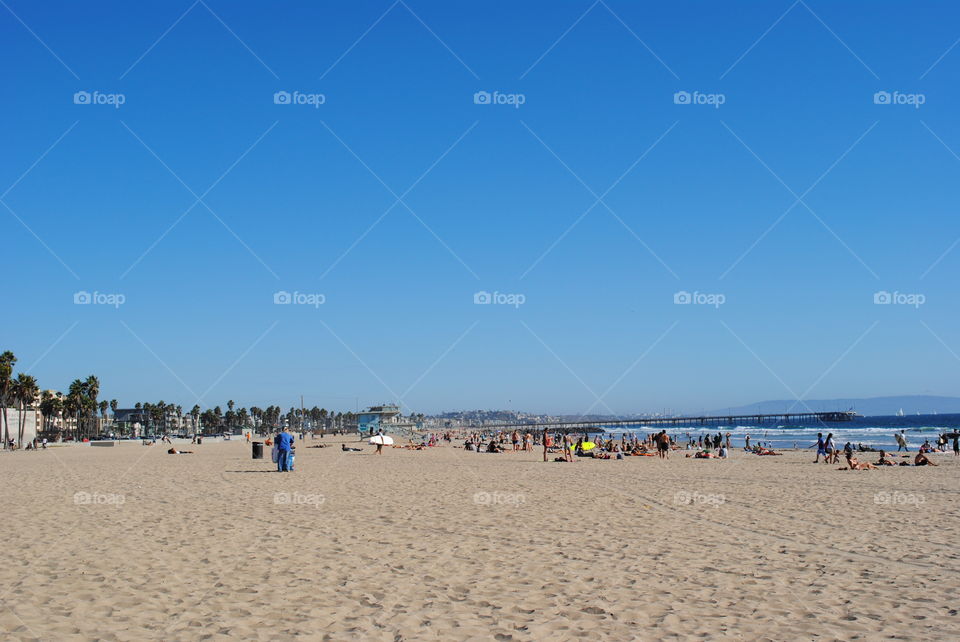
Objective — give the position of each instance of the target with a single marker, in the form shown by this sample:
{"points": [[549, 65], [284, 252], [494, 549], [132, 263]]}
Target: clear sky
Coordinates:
{"points": [[386, 192]]}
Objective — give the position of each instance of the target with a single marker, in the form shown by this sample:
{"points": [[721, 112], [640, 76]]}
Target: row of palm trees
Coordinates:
{"points": [[74, 414], [22, 393], [156, 417]]}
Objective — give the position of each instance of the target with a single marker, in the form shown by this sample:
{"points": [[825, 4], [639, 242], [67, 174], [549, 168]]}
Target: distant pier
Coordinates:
{"points": [[667, 422]]}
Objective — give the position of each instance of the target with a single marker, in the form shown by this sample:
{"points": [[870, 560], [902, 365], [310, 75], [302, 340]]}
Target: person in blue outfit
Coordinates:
{"points": [[284, 443]]}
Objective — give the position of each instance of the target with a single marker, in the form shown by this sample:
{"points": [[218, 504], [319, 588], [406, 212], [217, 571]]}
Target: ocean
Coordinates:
{"points": [[869, 431]]}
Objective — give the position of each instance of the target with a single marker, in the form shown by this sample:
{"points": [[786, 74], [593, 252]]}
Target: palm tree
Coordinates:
{"points": [[25, 392], [74, 404], [51, 406], [103, 412], [7, 361], [195, 413], [113, 409], [92, 389]]}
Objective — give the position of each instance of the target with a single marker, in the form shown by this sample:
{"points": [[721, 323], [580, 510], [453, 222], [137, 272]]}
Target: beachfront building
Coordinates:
{"points": [[386, 418], [130, 421]]}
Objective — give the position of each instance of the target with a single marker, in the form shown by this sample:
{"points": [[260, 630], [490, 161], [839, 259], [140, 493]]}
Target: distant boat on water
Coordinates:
{"points": [[900, 412]]}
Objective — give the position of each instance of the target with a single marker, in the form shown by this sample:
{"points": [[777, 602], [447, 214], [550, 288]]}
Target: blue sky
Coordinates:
{"points": [[598, 199]]}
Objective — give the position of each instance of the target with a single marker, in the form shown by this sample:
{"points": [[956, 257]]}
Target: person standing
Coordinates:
{"points": [[284, 443], [546, 443], [956, 444]]}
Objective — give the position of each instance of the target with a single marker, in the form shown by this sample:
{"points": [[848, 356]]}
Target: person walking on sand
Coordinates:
{"points": [[901, 438], [546, 443], [821, 448], [747, 441], [663, 444], [284, 443], [831, 447], [956, 444]]}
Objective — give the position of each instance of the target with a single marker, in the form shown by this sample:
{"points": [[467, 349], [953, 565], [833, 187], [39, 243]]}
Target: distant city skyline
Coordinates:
{"points": [[584, 208]]}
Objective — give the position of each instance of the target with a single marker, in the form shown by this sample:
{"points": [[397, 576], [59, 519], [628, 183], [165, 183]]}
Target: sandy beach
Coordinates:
{"points": [[130, 543]]}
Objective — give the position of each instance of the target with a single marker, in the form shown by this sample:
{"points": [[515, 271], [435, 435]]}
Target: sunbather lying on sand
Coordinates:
{"points": [[853, 464], [174, 451], [885, 460]]}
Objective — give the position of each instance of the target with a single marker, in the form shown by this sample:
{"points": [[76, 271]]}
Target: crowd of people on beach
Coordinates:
{"points": [[827, 448], [564, 446]]}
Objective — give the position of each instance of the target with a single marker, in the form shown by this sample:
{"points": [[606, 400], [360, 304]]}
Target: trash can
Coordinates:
{"points": [[258, 450]]}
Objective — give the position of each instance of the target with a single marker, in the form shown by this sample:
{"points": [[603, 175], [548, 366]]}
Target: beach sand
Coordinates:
{"points": [[448, 544]]}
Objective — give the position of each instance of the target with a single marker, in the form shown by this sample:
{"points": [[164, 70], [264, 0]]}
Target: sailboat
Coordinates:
{"points": [[900, 412]]}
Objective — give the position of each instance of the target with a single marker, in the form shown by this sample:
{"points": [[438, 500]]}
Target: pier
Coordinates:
{"points": [[786, 418]]}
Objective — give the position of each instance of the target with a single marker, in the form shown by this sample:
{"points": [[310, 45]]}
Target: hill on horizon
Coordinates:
{"points": [[873, 406]]}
